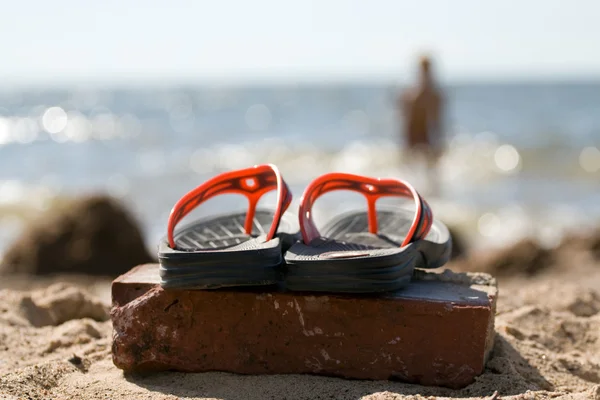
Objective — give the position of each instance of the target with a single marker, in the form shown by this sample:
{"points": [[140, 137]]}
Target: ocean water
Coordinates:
{"points": [[522, 159]]}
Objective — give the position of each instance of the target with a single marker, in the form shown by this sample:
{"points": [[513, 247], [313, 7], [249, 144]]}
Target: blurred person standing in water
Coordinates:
{"points": [[421, 108]]}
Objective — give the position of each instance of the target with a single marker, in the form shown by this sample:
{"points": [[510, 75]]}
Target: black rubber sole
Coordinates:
{"points": [[215, 252], [349, 259], [373, 272]]}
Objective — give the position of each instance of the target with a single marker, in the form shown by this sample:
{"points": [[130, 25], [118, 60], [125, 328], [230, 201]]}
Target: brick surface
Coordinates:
{"points": [[438, 331]]}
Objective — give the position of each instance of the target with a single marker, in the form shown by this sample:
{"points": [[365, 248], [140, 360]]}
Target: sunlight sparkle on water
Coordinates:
{"points": [[54, 120], [5, 130], [507, 158]]}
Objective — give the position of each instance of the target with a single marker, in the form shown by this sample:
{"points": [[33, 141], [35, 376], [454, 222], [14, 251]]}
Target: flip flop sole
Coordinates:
{"points": [[352, 260], [335, 266], [216, 252]]}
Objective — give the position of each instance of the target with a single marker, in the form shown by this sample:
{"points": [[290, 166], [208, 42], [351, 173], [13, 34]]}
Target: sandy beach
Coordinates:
{"points": [[55, 343]]}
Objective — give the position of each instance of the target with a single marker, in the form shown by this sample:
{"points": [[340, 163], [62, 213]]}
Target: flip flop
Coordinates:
{"points": [[238, 249], [364, 252]]}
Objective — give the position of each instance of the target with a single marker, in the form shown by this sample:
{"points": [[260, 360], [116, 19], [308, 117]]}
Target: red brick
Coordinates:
{"points": [[438, 331]]}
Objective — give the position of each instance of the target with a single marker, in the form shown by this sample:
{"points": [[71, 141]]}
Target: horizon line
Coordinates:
{"points": [[294, 80]]}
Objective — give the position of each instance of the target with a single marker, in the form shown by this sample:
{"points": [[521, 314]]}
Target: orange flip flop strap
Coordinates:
{"points": [[252, 182], [372, 189]]}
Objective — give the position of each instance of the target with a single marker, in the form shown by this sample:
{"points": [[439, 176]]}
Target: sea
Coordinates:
{"points": [[522, 159]]}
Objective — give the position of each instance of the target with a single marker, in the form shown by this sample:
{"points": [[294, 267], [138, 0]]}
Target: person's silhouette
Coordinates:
{"points": [[422, 107]]}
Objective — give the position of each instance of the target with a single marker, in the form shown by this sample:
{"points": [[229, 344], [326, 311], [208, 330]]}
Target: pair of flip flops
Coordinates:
{"points": [[356, 252]]}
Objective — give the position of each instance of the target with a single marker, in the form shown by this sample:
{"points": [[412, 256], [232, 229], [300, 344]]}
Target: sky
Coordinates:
{"points": [[45, 41]]}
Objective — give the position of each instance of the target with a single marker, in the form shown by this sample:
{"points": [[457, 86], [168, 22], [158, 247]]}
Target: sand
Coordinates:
{"points": [[55, 343]]}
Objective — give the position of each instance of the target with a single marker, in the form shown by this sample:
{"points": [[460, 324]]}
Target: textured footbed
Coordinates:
{"points": [[350, 259], [392, 224], [216, 252]]}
